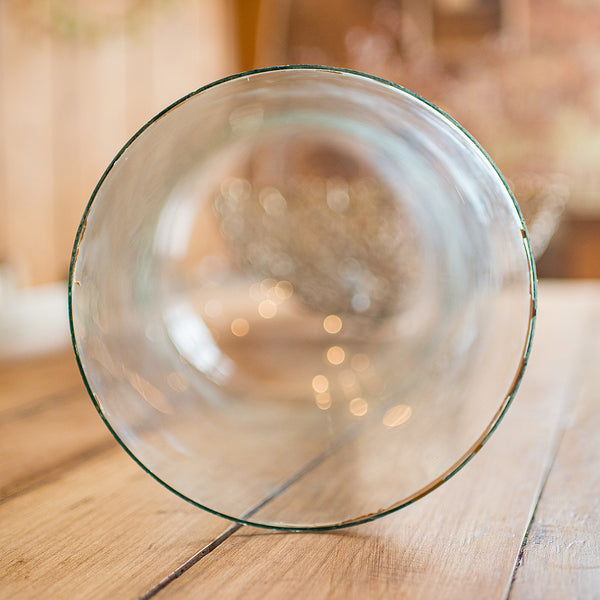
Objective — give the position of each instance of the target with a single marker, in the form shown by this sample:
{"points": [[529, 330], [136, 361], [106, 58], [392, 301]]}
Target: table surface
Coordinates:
{"points": [[78, 519]]}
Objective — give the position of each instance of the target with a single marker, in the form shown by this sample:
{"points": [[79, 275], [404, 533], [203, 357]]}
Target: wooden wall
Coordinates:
{"points": [[77, 78]]}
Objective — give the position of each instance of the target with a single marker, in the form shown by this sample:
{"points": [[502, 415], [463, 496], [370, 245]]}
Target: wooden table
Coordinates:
{"points": [[78, 519]]}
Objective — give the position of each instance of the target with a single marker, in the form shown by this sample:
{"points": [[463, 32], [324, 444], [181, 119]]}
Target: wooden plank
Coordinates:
{"points": [[4, 204], [101, 81], [43, 439], [71, 192], [104, 529], [461, 541], [23, 382], [77, 534], [192, 46], [47, 421], [246, 13], [75, 85], [561, 558], [140, 104], [27, 148]]}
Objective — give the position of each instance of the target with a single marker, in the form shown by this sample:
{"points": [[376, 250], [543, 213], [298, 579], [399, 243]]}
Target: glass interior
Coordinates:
{"points": [[302, 297]]}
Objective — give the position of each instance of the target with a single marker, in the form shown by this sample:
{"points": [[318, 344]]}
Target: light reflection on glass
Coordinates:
{"points": [[273, 202], [240, 327], [336, 355], [397, 415], [323, 400], [177, 381], [196, 342], [236, 187], [266, 285], [332, 324], [284, 290], [150, 393], [267, 309], [320, 384], [358, 407], [246, 118]]}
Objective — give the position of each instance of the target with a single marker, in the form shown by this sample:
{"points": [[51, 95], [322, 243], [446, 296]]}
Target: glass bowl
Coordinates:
{"points": [[302, 297]]}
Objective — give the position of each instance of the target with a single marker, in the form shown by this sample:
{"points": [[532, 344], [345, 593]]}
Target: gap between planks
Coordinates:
{"points": [[535, 504], [34, 458], [190, 562], [307, 468], [584, 359], [544, 473], [206, 550]]}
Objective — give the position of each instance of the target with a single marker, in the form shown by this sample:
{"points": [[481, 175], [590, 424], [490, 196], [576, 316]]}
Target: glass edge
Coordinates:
{"points": [[463, 460]]}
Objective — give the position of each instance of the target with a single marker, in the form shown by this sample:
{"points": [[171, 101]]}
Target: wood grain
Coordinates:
{"points": [[461, 541], [562, 556], [73, 184], [44, 438], [520, 521], [4, 204], [36, 380], [102, 530], [76, 82], [47, 422], [26, 141]]}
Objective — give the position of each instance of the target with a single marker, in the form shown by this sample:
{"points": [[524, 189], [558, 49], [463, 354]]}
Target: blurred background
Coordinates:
{"points": [[79, 77]]}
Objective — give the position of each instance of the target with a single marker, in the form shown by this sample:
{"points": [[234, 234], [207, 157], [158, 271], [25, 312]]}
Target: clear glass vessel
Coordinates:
{"points": [[302, 297]]}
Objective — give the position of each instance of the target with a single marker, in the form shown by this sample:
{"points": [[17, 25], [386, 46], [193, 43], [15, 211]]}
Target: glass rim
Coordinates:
{"points": [[245, 519]]}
